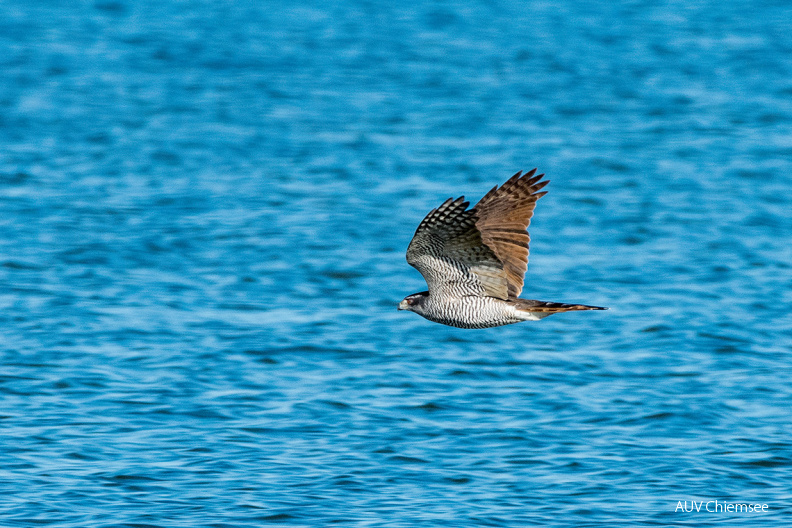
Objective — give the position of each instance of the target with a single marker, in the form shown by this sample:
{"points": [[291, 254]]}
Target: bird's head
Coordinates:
{"points": [[414, 302]]}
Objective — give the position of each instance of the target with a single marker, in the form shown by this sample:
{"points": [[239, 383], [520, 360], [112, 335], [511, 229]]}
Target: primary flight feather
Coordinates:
{"points": [[474, 260]]}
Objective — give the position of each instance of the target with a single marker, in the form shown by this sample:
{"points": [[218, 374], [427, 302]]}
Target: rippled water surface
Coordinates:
{"points": [[205, 209]]}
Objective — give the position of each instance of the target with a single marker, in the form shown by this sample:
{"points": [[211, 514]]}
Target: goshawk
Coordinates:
{"points": [[474, 259]]}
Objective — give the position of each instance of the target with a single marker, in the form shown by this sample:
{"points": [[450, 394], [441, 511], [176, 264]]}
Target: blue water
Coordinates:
{"points": [[204, 210]]}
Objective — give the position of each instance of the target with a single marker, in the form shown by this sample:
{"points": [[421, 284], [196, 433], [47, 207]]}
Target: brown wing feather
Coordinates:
{"points": [[503, 216]]}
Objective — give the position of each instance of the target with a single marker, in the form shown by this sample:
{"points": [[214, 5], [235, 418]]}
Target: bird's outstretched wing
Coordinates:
{"points": [[479, 251]]}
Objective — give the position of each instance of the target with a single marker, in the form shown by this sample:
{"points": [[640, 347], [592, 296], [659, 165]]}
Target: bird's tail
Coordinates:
{"points": [[541, 309]]}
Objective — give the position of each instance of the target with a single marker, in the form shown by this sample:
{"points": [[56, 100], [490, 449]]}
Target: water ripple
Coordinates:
{"points": [[205, 212]]}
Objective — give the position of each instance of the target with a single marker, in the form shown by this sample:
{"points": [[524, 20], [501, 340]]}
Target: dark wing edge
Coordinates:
{"points": [[429, 238]]}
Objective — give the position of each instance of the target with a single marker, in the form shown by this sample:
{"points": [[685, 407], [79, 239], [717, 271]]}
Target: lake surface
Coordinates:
{"points": [[205, 210]]}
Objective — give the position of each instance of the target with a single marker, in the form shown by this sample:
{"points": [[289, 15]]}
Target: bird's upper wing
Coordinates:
{"points": [[480, 251]]}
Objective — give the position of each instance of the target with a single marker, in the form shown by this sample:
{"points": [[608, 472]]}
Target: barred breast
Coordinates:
{"points": [[470, 311]]}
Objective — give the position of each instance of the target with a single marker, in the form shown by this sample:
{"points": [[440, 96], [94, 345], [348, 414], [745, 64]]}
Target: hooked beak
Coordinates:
{"points": [[403, 305]]}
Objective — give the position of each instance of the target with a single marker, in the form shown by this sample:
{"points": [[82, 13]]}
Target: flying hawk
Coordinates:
{"points": [[474, 259]]}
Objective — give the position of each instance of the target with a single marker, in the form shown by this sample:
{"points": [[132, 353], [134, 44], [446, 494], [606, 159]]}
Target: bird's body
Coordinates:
{"points": [[474, 259], [473, 311]]}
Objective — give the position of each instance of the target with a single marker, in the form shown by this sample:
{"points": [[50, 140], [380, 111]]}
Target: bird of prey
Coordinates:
{"points": [[473, 260]]}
